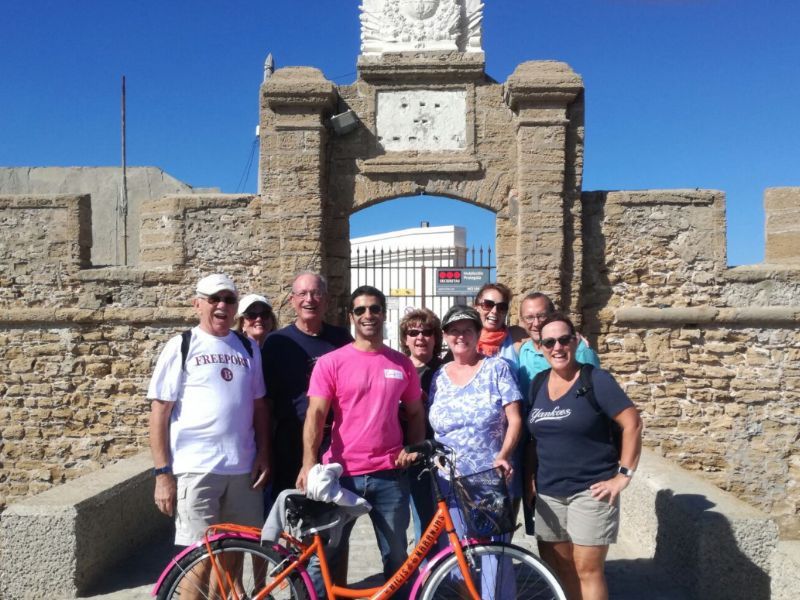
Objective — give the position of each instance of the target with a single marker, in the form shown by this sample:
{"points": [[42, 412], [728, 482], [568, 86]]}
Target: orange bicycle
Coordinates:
{"points": [[232, 563]]}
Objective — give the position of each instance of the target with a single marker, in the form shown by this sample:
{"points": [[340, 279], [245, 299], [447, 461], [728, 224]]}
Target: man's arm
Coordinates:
{"points": [[166, 489], [262, 424], [312, 436], [415, 431]]}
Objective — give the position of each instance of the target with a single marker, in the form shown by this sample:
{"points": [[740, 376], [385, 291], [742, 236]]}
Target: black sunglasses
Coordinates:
{"points": [[416, 332], [254, 315], [490, 304], [374, 309], [226, 299], [550, 343]]}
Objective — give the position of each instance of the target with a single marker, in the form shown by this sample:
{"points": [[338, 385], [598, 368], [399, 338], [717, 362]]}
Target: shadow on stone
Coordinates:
{"points": [[142, 568], [697, 547]]}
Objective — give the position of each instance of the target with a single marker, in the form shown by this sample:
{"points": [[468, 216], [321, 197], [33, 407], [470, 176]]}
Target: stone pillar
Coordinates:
{"points": [[294, 102], [782, 225], [543, 209]]}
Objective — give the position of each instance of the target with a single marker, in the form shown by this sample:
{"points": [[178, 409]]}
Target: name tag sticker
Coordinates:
{"points": [[392, 374]]}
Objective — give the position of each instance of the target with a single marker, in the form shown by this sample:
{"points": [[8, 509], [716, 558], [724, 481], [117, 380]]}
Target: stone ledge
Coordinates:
{"points": [[58, 543], [67, 316], [422, 163], [132, 275], [773, 316], [711, 543], [659, 197], [392, 68]]}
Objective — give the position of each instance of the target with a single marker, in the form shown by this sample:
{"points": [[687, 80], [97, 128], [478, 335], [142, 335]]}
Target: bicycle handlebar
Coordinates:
{"points": [[427, 448]]}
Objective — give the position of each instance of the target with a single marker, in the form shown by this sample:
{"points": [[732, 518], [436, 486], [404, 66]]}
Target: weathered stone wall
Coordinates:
{"points": [[710, 355], [104, 186], [77, 344]]}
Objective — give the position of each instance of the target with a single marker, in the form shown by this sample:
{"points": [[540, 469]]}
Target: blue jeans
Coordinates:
{"points": [[387, 492]]}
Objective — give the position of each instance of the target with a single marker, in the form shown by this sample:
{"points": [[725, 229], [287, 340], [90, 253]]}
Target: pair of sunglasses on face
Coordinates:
{"points": [[252, 316], [550, 343], [374, 309], [488, 305], [226, 299], [417, 332]]}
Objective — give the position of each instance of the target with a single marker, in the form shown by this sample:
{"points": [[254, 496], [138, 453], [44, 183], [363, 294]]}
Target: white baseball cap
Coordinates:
{"points": [[248, 301], [211, 284]]}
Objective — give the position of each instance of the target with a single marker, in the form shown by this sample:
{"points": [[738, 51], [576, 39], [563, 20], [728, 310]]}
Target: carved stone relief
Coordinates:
{"points": [[425, 120], [414, 25]]}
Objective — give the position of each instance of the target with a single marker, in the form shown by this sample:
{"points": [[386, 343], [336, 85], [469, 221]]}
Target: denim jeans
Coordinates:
{"points": [[387, 492]]}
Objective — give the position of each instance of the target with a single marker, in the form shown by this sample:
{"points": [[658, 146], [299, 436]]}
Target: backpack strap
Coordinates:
{"points": [[186, 338], [248, 345], [536, 385], [586, 389]]}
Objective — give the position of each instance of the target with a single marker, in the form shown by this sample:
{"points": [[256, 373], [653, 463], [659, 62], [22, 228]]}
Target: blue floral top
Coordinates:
{"points": [[471, 418]]}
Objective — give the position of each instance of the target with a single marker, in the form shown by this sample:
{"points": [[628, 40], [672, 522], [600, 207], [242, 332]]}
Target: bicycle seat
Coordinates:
{"points": [[312, 513]]}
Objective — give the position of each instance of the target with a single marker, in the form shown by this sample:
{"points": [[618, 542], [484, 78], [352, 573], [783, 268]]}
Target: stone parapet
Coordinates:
{"points": [[712, 544], [58, 543], [782, 225]]}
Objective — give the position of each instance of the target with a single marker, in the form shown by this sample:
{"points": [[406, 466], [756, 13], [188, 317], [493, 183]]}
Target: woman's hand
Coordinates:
{"points": [[610, 488], [508, 471]]}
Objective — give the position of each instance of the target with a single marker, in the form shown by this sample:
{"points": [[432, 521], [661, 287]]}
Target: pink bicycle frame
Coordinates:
{"points": [[230, 535]]}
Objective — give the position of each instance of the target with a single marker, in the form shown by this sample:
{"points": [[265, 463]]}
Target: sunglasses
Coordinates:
{"points": [[374, 309], [226, 299], [488, 305], [254, 315], [416, 332], [550, 343]]}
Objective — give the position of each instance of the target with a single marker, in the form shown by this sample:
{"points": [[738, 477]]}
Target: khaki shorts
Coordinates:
{"points": [[207, 499], [579, 519]]}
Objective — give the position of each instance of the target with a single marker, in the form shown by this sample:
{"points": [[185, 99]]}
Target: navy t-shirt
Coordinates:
{"points": [[287, 358], [573, 445]]}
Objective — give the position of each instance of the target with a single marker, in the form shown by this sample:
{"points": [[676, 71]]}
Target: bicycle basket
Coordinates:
{"points": [[484, 502]]}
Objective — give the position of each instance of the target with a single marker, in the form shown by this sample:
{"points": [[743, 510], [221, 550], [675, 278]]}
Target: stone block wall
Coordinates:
{"points": [[709, 354], [77, 344]]}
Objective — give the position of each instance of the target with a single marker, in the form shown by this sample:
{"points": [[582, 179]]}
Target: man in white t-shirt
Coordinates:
{"points": [[209, 425]]}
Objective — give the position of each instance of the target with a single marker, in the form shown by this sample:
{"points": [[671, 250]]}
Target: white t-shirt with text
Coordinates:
{"points": [[211, 426]]}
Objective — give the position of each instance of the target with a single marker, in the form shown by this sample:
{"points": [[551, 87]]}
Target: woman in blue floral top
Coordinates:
{"points": [[475, 402]]}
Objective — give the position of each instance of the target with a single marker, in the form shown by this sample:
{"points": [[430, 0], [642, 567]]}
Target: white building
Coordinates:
{"points": [[407, 266]]}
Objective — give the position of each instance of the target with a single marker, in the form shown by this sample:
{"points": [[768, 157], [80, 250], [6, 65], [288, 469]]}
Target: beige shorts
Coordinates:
{"points": [[207, 499], [579, 519]]}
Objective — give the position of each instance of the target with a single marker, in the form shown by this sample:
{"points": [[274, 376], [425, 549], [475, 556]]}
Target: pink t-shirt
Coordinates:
{"points": [[364, 390]]}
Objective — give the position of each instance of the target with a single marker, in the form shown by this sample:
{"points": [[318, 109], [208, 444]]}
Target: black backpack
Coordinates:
{"points": [[585, 389], [186, 337]]}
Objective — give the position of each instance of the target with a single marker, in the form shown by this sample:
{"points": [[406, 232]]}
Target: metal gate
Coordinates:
{"points": [[408, 277]]}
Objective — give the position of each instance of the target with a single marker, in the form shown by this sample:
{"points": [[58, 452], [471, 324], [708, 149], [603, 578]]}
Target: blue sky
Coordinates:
{"points": [[679, 93]]}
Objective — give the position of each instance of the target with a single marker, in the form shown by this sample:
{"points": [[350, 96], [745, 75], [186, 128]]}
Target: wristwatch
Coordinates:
{"points": [[626, 471], [162, 471]]}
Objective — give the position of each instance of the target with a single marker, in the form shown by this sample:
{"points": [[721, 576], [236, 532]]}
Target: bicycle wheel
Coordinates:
{"points": [[244, 566], [499, 571]]}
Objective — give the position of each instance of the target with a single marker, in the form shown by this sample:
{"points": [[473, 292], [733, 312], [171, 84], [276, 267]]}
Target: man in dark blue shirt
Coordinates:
{"points": [[288, 356]]}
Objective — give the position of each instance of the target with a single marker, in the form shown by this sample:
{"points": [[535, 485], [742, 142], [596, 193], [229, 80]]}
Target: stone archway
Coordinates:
{"points": [[427, 121]]}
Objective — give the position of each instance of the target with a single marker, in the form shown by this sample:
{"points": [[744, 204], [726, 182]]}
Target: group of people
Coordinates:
{"points": [[235, 410]]}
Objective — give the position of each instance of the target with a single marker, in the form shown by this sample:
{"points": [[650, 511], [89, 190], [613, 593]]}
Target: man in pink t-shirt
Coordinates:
{"points": [[363, 384]]}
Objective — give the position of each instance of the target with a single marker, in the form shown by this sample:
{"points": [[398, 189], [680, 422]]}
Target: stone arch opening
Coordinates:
{"points": [[422, 252]]}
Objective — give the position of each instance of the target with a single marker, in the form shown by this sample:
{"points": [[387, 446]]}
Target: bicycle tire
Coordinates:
{"points": [[258, 564], [500, 572]]}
